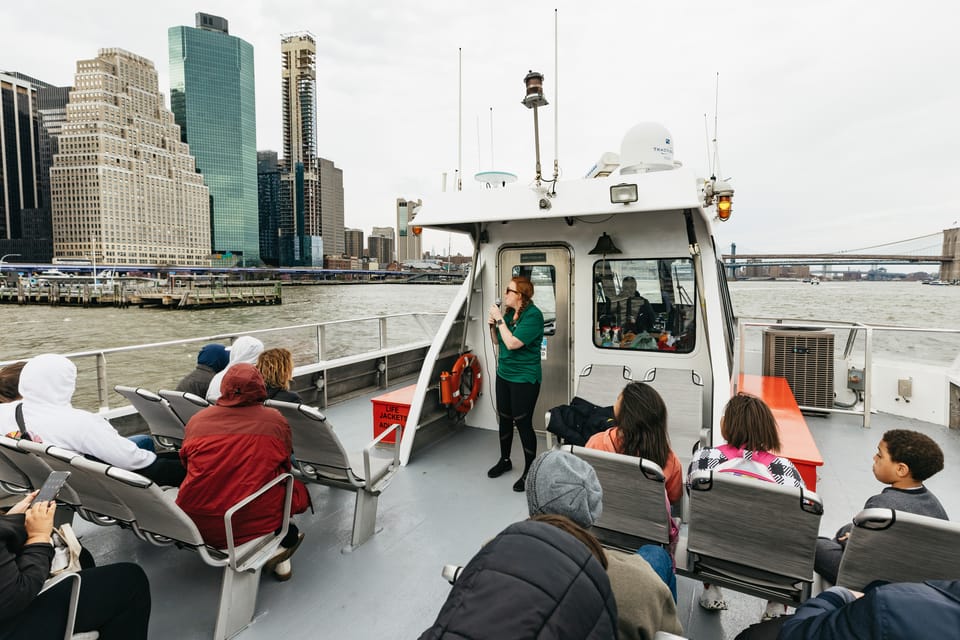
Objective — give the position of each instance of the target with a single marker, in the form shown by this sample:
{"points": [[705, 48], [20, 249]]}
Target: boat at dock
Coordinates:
{"points": [[577, 240]]}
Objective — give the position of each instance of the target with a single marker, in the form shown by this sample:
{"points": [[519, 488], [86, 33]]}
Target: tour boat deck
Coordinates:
{"points": [[439, 510]]}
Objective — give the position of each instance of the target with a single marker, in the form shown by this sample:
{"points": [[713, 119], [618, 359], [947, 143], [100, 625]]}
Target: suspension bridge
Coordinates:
{"points": [[941, 248]]}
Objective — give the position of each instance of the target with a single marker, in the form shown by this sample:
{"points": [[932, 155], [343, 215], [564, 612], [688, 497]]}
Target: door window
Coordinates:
{"points": [[544, 280]]}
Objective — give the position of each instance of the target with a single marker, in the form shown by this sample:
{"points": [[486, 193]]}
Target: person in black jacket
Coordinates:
{"points": [[894, 611], [211, 360], [114, 599], [532, 581]]}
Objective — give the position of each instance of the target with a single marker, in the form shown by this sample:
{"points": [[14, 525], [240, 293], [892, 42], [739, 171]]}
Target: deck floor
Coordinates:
{"points": [[438, 510]]}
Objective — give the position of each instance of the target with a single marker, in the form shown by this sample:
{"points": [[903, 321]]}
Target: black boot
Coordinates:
{"points": [[502, 466]]}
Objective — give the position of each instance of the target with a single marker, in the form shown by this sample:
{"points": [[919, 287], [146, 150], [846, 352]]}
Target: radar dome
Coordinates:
{"points": [[646, 147]]}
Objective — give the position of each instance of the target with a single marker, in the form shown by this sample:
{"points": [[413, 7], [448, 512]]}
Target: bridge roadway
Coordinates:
{"points": [[747, 259]]}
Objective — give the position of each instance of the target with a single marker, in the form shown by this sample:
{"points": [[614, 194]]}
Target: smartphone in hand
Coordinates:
{"points": [[51, 487]]}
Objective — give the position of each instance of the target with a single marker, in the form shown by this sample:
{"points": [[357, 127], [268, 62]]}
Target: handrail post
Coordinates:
{"points": [[867, 375], [321, 341], [102, 381], [383, 332]]}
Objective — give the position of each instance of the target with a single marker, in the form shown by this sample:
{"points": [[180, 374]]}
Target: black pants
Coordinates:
{"points": [[166, 470], [114, 600], [515, 404]]}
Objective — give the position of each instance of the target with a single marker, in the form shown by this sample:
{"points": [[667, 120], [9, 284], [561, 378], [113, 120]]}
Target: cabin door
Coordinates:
{"points": [[548, 268]]}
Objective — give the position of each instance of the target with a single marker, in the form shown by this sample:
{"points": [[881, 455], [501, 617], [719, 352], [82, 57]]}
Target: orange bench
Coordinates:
{"points": [[795, 440]]}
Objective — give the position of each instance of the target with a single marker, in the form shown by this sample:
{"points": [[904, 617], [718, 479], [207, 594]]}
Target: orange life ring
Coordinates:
{"points": [[463, 385]]}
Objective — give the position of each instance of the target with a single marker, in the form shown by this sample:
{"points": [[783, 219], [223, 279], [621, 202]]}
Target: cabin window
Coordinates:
{"points": [[644, 305]]}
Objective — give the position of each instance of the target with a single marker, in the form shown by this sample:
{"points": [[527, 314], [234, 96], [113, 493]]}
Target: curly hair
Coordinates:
{"points": [[748, 423], [566, 524], [642, 422], [276, 367], [10, 381], [920, 453]]}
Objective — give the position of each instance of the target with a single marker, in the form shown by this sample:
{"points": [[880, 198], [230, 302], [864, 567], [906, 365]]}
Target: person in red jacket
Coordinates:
{"points": [[232, 449]]}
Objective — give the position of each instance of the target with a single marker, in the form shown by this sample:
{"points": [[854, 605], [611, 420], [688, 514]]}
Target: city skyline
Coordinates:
{"points": [[843, 143]]}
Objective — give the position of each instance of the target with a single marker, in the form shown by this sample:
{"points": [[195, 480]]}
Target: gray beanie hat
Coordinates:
{"points": [[560, 483]]}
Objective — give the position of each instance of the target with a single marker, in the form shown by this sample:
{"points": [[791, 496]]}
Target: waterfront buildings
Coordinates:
{"points": [[409, 244], [212, 98], [124, 188], [380, 245], [353, 243], [331, 206]]}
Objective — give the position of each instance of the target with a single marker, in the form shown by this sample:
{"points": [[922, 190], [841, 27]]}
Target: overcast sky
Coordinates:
{"points": [[837, 120]]}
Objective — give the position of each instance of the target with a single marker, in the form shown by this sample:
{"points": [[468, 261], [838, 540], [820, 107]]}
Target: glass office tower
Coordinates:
{"points": [[212, 98]]}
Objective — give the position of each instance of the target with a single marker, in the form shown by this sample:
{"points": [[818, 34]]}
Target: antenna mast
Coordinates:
{"points": [[459, 118], [716, 119], [556, 102]]}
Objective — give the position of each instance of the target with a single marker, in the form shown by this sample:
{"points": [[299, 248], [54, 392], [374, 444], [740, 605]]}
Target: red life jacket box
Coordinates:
{"points": [[391, 408]]}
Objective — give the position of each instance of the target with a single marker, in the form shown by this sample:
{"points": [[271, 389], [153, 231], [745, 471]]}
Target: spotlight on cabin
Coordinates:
{"points": [[605, 246], [417, 230], [623, 193], [534, 84]]}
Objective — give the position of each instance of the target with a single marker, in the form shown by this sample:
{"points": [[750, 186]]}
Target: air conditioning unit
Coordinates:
{"points": [[805, 359]]}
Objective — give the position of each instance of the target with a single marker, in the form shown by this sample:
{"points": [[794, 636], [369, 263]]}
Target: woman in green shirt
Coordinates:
{"points": [[519, 333]]}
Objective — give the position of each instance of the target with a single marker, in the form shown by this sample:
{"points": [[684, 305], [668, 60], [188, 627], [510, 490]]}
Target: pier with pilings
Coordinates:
{"points": [[124, 294]]}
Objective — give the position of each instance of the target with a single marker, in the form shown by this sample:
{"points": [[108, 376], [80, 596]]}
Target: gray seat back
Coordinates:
{"points": [[96, 500], [758, 537], [602, 383], [159, 416], [682, 391], [899, 547], [23, 455], [12, 479], [315, 443], [185, 405], [634, 499]]}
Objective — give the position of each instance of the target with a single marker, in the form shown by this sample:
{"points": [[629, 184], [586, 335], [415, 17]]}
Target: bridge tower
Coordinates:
{"points": [[950, 269]]}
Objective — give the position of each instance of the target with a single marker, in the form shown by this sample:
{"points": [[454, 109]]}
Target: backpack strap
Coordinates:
{"points": [[18, 414]]}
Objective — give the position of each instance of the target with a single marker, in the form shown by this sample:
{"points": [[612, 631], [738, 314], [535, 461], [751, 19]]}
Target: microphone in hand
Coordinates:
{"points": [[498, 302]]}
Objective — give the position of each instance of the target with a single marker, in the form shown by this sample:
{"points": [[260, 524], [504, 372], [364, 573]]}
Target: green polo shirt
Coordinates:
{"points": [[523, 364]]}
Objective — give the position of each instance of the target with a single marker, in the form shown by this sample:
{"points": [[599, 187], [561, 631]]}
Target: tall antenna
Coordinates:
{"points": [[716, 119], [491, 138], [706, 146], [459, 118], [556, 102]]}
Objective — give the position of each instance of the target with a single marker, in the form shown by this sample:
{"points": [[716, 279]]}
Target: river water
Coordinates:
{"points": [[29, 330]]}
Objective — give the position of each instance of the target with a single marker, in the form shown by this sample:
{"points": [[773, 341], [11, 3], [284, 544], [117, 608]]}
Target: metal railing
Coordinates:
{"points": [[320, 351], [854, 330]]}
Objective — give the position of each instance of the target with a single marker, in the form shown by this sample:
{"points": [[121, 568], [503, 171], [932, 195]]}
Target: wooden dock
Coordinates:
{"points": [[123, 295]]}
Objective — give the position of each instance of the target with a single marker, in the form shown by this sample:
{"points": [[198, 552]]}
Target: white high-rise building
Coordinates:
{"points": [[124, 188]]}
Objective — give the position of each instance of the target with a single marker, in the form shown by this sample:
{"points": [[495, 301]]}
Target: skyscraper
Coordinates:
{"points": [[381, 244], [212, 97], [268, 197], [20, 149], [353, 243], [124, 188], [408, 243], [331, 207], [300, 178]]}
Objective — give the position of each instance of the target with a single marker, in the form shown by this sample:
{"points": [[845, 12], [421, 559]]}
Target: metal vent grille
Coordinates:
{"points": [[805, 359]]}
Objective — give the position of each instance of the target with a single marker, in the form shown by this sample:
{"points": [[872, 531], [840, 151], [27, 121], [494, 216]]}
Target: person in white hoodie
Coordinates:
{"points": [[244, 349], [46, 385]]}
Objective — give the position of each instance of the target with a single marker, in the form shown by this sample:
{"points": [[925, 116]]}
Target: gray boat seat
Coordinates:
{"points": [[96, 502], [164, 424], [75, 580], [682, 391], [753, 536], [321, 458], [158, 519], [34, 468], [599, 384], [184, 404], [12, 479], [634, 499], [899, 547]]}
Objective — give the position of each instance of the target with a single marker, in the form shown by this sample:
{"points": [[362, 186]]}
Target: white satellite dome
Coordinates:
{"points": [[646, 147]]}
